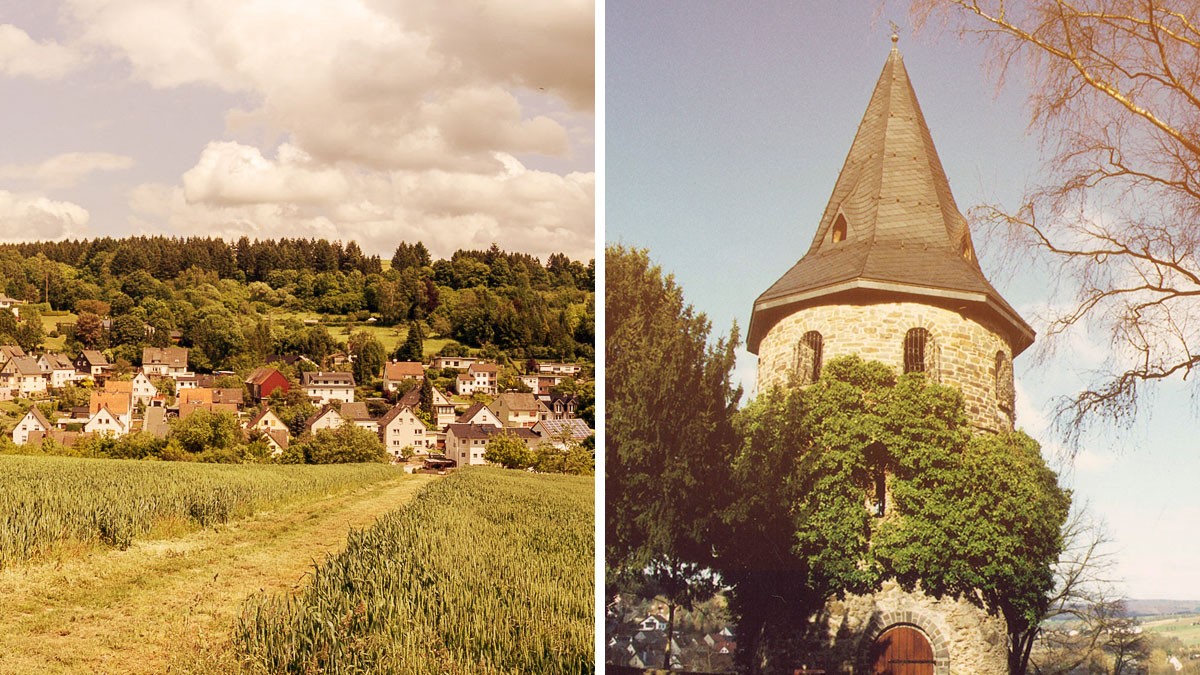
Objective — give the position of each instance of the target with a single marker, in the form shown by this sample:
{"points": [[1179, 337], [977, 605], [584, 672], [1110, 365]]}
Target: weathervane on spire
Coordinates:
{"points": [[895, 32]]}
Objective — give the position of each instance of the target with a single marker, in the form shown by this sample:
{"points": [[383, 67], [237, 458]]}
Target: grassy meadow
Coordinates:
{"points": [[52, 503], [1185, 627], [486, 571]]}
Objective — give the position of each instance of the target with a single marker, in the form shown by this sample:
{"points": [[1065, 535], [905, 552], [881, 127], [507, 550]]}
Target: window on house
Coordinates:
{"points": [[916, 343], [838, 232], [808, 357]]}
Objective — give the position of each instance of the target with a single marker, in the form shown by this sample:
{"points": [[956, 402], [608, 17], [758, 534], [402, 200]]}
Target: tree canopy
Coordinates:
{"points": [[369, 356], [508, 451], [668, 404], [346, 444], [219, 295]]}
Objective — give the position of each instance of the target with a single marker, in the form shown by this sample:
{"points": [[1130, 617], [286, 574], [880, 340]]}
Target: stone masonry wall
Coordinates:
{"points": [[964, 350], [964, 638]]}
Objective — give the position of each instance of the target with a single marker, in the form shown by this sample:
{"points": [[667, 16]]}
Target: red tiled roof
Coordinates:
{"points": [[403, 370], [259, 375]]}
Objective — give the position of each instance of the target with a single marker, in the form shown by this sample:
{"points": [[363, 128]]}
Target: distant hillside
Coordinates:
{"points": [[1160, 607]]}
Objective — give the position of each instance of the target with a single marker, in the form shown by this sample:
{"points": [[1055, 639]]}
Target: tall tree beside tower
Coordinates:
{"points": [[669, 401]]}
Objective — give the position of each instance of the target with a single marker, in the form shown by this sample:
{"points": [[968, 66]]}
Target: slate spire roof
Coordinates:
{"points": [[891, 226]]}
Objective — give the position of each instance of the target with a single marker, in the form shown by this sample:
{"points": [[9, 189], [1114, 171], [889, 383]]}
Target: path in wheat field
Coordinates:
{"points": [[169, 606]]}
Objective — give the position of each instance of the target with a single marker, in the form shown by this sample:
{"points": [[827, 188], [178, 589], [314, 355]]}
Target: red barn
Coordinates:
{"points": [[264, 381]]}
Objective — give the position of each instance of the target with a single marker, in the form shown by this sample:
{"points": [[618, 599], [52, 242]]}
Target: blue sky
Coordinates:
{"points": [[724, 132]]}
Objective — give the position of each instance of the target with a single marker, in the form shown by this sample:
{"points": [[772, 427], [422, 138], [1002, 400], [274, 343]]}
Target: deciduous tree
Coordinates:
{"points": [[1115, 92], [346, 444], [508, 451], [206, 430], [369, 356], [669, 402], [89, 330]]}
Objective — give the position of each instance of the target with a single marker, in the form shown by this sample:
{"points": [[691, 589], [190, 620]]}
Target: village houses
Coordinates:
{"points": [[395, 372], [443, 409], [480, 378], [118, 407], [165, 361], [22, 376], [93, 364], [324, 387], [357, 414], [401, 428], [467, 443], [58, 370], [326, 418], [33, 420], [515, 409]]}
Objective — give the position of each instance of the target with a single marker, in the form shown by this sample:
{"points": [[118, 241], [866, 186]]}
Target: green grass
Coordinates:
{"points": [[487, 571], [54, 502], [49, 325], [391, 336], [11, 411], [1185, 627]]}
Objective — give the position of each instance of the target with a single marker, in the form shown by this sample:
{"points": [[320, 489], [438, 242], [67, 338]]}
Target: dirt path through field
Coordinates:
{"points": [[168, 606]]}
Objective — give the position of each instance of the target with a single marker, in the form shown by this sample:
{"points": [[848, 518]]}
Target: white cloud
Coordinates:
{"points": [[230, 174], [394, 86], [66, 169], [22, 56], [235, 190], [29, 217]]}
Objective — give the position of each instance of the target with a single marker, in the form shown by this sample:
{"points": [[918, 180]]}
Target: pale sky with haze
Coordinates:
{"points": [[456, 124], [725, 132]]}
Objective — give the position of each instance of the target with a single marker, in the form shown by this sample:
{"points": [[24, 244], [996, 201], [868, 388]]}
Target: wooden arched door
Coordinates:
{"points": [[902, 650]]}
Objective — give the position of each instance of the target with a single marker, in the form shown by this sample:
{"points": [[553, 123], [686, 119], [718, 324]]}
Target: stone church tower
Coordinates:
{"points": [[891, 276]]}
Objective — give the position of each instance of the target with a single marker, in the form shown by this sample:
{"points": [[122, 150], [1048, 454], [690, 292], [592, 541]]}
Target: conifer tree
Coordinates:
{"points": [[427, 396], [413, 348]]}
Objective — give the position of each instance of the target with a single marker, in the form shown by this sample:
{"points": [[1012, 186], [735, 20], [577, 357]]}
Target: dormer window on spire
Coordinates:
{"points": [[838, 232]]}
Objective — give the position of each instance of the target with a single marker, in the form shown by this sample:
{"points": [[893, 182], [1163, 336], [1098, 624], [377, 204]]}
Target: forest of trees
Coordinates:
{"points": [[221, 297]]}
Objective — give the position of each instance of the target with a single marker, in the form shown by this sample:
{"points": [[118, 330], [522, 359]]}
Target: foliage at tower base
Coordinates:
{"points": [[866, 478]]}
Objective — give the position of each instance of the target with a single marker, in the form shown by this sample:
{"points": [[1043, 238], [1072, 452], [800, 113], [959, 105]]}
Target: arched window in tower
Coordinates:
{"points": [[1005, 392], [878, 506], [808, 357], [838, 233], [916, 351], [877, 490]]}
